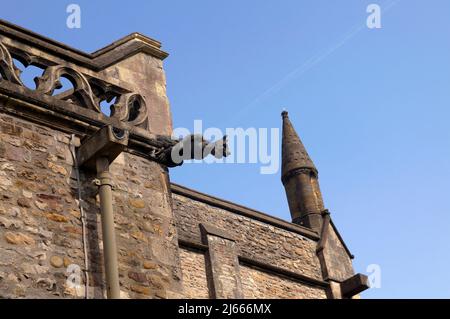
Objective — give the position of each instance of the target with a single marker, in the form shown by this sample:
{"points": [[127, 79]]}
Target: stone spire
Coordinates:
{"points": [[300, 179], [294, 154]]}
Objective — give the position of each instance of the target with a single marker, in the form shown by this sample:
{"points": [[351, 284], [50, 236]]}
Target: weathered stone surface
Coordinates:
{"points": [[261, 285], [195, 281], [141, 290], [137, 203], [146, 74], [255, 239], [57, 217], [19, 239], [27, 194], [10, 223], [23, 202], [56, 261], [224, 267], [138, 277], [149, 265], [334, 257], [57, 168], [34, 269], [39, 211], [66, 261], [139, 236]]}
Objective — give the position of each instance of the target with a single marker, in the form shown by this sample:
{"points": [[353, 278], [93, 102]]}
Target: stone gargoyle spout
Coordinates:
{"points": [[194, 146]]}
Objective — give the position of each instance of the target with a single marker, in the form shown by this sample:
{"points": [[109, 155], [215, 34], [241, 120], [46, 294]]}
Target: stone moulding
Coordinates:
{"points": [[72, 119], [298, 171]]}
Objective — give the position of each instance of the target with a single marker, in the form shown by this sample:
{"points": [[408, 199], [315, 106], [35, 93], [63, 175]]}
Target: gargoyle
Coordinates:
{"points": [[193, 146]]}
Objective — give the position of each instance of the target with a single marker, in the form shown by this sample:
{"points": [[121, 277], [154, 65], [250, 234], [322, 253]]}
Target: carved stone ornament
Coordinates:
{"points": [[51, 80], [8, 70], [130, 108], [88, 91]]}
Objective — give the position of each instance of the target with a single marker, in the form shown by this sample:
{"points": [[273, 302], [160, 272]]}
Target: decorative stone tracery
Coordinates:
{"points": [[8, 70], [88, 91]]}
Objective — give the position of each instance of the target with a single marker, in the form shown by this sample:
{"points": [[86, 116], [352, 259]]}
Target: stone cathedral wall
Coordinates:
{"points": [[172, 242], [41, 231], [268, 256]]}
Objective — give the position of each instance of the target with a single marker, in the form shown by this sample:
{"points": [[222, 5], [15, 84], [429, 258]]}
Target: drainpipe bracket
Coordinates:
{"points": [[104, 181]]}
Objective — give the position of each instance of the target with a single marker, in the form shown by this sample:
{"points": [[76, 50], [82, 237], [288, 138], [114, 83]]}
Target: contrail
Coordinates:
{"points": [[309, 64]]}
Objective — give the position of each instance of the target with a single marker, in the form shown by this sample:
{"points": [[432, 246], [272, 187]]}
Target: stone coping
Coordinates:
{"points": [[244, 211], [98, 60]]}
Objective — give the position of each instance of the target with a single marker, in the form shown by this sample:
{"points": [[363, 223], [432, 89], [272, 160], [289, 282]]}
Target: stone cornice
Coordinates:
{"points": [[98, 60], [73, 119]]}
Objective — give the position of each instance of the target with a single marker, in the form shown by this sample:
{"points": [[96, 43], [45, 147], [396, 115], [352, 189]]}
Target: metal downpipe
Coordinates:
{"points": [[104, 183]]}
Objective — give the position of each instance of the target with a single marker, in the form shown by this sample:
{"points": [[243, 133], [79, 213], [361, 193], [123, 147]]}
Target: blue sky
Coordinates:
{"points": [[371, 105]]}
